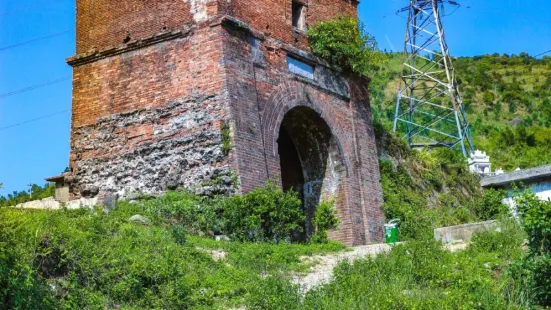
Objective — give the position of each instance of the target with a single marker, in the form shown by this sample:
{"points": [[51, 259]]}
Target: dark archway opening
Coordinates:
{"points": [[310, 159]]}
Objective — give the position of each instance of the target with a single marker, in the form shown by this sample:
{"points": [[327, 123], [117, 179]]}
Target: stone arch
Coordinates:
{"points": [[311, 161], [291, 95]]}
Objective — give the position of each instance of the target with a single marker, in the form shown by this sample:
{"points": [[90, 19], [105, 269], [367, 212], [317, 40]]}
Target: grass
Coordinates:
{"points": [[89, 259], [417, 275]]}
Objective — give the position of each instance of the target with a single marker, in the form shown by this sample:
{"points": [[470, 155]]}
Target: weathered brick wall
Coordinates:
{"points": [[274, 17], [107, 23], [148, 77], [148, 113]]}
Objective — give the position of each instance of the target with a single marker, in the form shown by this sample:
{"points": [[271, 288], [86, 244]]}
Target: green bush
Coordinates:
{"points": [[507, 242], [20, 285], [324, 220], [427, 189], [88, 259], [274, 294], [539, 268], [489, 205], [36, 193], [345, 45], [266, 214], [198, 215], [535, 216], [179, 234]]}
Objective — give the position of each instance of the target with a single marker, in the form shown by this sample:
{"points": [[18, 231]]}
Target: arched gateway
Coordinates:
{"points": [[323, 148], [311, 160]]}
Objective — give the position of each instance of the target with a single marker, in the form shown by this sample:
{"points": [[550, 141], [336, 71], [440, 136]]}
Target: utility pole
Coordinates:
{"points": [[429, 109]]}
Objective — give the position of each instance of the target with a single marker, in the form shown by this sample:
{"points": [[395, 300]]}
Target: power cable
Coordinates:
{"points": [[26, 89], [34, 119], [538, 55], [34, 40]]}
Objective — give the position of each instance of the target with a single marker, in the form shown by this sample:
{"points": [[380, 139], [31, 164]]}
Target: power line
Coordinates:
{"points": [[34, 119], [538, 55], [26, 89], [34, 40]]}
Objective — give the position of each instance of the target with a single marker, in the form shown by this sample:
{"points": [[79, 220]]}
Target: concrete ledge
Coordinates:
{"points": [[525, 176], [463, 233], [45, 204], [95, 55], [51, 204]]}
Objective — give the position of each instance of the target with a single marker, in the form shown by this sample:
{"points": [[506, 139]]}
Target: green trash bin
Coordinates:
{"points": [[391, 231]]}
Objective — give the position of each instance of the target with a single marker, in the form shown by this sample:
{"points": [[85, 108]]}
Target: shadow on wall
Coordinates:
{"points": [[311, 161]]}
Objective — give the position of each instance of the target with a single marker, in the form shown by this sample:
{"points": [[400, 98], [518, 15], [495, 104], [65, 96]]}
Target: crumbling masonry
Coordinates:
{"points": [[217, 97]]}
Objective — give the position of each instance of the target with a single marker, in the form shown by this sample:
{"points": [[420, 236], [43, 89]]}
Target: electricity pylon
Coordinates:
{"points": [[429, 109]]}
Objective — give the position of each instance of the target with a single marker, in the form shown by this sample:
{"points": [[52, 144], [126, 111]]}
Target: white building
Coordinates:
{"points": [[479, 163]]}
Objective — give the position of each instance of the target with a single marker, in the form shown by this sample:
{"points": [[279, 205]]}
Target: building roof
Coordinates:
{"points": [[58, 178], [524, 176]]}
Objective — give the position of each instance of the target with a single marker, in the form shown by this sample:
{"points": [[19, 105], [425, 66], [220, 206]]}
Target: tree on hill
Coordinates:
{"points": [[36, 193]]}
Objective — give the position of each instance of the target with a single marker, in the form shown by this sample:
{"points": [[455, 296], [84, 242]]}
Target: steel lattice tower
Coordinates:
{"points": [[429, 109]]}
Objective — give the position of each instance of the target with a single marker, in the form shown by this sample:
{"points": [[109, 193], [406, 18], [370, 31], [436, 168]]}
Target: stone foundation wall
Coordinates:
{"points": [[149, 151]]}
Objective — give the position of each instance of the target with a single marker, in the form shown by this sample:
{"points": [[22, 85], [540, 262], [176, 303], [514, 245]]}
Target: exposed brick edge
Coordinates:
{"points": [[301, 54], [95, 55], [230, 21], [288, 96]]}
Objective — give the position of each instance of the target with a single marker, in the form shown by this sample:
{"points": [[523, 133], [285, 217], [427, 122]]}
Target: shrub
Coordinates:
{"points": [[539, 267], [198, 215], [506, 242], [265, 214], [226, 138], [274, 293], [179, 234], [345, 45], [88, 259], [36, 193], [489, 205], [20, 286], [535, 216], [324, 220]]}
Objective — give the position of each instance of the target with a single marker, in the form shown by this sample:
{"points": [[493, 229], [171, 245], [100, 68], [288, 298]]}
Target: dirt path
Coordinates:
{"points": [[322, 270]]}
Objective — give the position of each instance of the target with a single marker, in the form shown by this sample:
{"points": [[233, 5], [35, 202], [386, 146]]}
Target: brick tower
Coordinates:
{"points": [[217, 97]]}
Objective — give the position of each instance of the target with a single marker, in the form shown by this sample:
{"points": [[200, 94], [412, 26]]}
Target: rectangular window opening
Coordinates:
{"points": [[299, 20], [301, 68]]}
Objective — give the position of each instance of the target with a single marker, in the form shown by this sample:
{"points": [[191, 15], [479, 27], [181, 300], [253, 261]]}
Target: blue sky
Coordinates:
{"points": [[29, 152]]}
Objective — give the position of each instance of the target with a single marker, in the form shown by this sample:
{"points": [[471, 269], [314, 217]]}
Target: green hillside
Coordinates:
{"points": [[507, 100], [160, 253]]}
